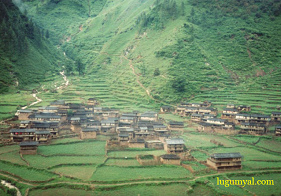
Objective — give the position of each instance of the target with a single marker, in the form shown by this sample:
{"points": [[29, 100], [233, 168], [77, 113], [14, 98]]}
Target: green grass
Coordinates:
{"points": [[122, 162], [133, 154], [26, 173], [114, 173], [41, 162], [82, 148], [199, 155], [10, 148], [13, 157], [149, 190], [80, 172], [270, 144]]}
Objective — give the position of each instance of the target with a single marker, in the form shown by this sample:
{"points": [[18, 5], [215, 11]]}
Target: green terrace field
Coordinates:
{"points": [[75, 167]]}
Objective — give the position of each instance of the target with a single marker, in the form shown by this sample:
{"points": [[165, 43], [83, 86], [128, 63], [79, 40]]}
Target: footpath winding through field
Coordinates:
{"points": [[10, 186]]}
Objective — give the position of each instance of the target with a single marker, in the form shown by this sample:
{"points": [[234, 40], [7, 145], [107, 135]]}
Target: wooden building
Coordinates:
{"points": [[278, 130], [245, 108], [19, 135], [92, 101], [170, 159], [123, 137], [174, 145], [42, 136], [196, 117], [174, 125], [253, 128], [229, 113], [276, 116], [154, 144], [225, 161], [166, 109], [28, 147]]}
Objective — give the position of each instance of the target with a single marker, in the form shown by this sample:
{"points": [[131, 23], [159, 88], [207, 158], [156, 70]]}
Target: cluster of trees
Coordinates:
{"points": [[241, 8], [163, 10]]}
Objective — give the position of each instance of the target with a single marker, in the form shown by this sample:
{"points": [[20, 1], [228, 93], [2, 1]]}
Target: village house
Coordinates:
{"points": [[123, 137], [112, 113], [19, 135], [244, 108], [230, 105], [242, 118], [180, 110], [278, 130], [253, 128], [166, 109], [225, 161], [207, 116], [160, 129], [128, 119], [24, 114], [191, 110], [137, 143], [92, 101], [260, 118], [170, 159], [149, 116], [89, 108], [216, 121], [88, 133], [207, 110], [276, 117], [174, 145], [48, 109], [154, 144], [44, 117], [60, 104], [229, 113], [175, 126], [42, 136], [25, 124], [196, 117], [28, 147], [129, 131]]}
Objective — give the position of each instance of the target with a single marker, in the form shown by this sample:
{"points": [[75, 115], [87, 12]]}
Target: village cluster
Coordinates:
{"points": [[138, 130]]}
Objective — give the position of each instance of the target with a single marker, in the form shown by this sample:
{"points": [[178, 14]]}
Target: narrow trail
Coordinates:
{"points": [[10, 186]]}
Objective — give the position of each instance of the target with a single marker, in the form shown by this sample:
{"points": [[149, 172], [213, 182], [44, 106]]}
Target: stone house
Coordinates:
{"points": [[244, 108], [166, 109], [92, 101], [196, 117], [25, 124], [225, 161], [123, 137]]}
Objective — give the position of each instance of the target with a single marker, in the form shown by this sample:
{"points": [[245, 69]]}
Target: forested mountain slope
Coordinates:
{"points": [[170, 50], [26, 56]]}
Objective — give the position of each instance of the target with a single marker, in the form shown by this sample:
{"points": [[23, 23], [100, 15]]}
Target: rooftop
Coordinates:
{"points": [[226, 155], [31, 143]]}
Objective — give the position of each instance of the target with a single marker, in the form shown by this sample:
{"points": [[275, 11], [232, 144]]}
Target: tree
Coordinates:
{"points": [[80, 67], [156, 72], [47, 34]]}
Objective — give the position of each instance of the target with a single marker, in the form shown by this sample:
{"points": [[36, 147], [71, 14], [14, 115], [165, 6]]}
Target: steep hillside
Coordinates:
{"points": [[26, 56], [166, 51]]}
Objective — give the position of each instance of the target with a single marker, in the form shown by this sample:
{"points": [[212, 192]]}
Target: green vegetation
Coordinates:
{"points": [[114, 173], [84, 148], [133, 154]]}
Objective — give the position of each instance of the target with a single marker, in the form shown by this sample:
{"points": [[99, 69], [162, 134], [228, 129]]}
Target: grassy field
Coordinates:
{"points": [[114, 173], [47, 162], [85, 148], [149, 190], [80, 171], [133, 154], [13, 157], [122, 162]]}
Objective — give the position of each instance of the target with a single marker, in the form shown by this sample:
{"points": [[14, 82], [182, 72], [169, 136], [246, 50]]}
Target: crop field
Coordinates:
{"points": [[26, 172], [270, 144], [85, 148], [247, 139], [80, 171], [13, 157], [200, 156], [114, 173], [132, 154], [122, 162], [41, 162]]}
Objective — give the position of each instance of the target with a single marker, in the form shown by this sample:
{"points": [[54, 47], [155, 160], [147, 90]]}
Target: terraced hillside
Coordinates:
{"points": [[144, 52]]}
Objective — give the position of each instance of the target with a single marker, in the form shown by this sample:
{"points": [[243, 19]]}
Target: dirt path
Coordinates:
{"points": [[10, 186]]}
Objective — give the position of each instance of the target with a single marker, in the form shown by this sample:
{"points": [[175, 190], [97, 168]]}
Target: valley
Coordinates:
{"points": [[140, 57]]}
